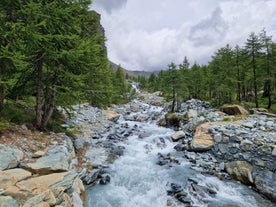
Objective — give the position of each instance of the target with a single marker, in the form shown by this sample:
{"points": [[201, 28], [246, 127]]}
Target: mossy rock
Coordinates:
{"points": [[174, 120]]}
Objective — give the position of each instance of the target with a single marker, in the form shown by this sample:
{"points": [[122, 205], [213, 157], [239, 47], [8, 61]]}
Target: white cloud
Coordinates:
{"points": [[149, 34]]}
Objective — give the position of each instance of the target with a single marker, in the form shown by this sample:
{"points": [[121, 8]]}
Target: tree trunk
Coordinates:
{"points": [[38, 109], [238, 74], [255, 80], [49, 110], [49, 104], [2, 96], [173, 101]]}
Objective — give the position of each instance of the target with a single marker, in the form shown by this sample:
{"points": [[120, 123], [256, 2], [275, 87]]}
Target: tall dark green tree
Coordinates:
{"points": [[10, 55], [253, 46], [268, 53]]}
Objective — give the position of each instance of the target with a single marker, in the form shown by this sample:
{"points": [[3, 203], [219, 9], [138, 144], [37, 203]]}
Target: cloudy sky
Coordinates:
{"points": [[149, 34]]}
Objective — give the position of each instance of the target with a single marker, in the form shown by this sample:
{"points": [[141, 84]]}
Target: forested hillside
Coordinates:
{"points": [[235, 74], [53, 54]]}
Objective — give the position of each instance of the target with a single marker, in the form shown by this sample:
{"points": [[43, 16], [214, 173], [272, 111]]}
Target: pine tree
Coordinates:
{"points": [[267, 45], [253, 47]]}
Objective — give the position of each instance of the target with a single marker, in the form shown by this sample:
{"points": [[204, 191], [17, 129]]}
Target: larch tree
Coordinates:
{"points": [[253, 46]]}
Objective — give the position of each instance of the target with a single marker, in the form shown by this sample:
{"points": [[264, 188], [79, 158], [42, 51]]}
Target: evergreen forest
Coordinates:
{"points": [[53, 55], [241, 74]]}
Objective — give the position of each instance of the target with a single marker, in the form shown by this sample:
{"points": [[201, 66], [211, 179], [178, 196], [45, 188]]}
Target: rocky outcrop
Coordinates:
{"points": [[48, 164], [245, 148], [10, 157], [47, 181], [234, 110]]}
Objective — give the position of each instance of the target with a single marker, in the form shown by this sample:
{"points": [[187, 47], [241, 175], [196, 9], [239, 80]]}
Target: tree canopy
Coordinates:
{"points": [[235, 74], [54, 51]]}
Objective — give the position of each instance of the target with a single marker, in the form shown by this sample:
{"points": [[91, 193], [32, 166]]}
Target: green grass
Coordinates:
{"points": [[22, 112], [17, 113]]}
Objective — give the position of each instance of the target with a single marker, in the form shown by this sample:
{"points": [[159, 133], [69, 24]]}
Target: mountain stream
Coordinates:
{"points": [[139, 180]]}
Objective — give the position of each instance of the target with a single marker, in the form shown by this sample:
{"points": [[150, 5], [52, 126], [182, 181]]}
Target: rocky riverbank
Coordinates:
{"points": [[38, 170], [54, 170], [244, 146]]}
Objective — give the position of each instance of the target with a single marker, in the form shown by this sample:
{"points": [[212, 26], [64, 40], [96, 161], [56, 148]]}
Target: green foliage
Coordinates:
{"points": [[234, 75], [17, 113], [54, 52]]}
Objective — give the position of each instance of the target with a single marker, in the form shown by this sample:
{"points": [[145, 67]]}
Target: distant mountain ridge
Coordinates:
{"points": [[135, 73]]}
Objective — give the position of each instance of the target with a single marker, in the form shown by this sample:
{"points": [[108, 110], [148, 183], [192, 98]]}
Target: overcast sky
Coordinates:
{"points": [[149, 34]]}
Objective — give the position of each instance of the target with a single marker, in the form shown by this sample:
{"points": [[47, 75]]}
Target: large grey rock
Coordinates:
{"points": [[178, 135], [265, 182], [240, 170], [202, 140], [66, 182], [234, 110], [7, 201], [48, 164], [10, 157]]}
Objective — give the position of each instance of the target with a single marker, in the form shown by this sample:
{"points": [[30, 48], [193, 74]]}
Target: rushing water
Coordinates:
{"points": [[137, 181]]}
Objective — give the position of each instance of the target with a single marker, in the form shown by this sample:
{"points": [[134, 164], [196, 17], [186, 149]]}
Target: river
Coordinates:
{"points": [[138, 181]]}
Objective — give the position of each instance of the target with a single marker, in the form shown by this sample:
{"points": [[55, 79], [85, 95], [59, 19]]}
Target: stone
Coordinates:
{"points": [[191, 113], [142, 117], [111, 115], [19, 174], [173, 120], [246, 145], [79, 189], [270, 124], [265, 149], [234, 110], [38, 154], [20, 195], [10, 157], [217, 137], [265, 182], [47, 197], [41, 183], [202, 140], [201, 190], [66, 182], [7, 201], [67, 201], [274, 151], [48, 164], [6, 180], [249, 125], [178, 135], [240, 170], [58, 193]]}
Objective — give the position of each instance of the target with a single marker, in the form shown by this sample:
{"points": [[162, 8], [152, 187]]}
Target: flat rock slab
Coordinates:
{"points": [[57, 162], [41, 183], [18, 173]]}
